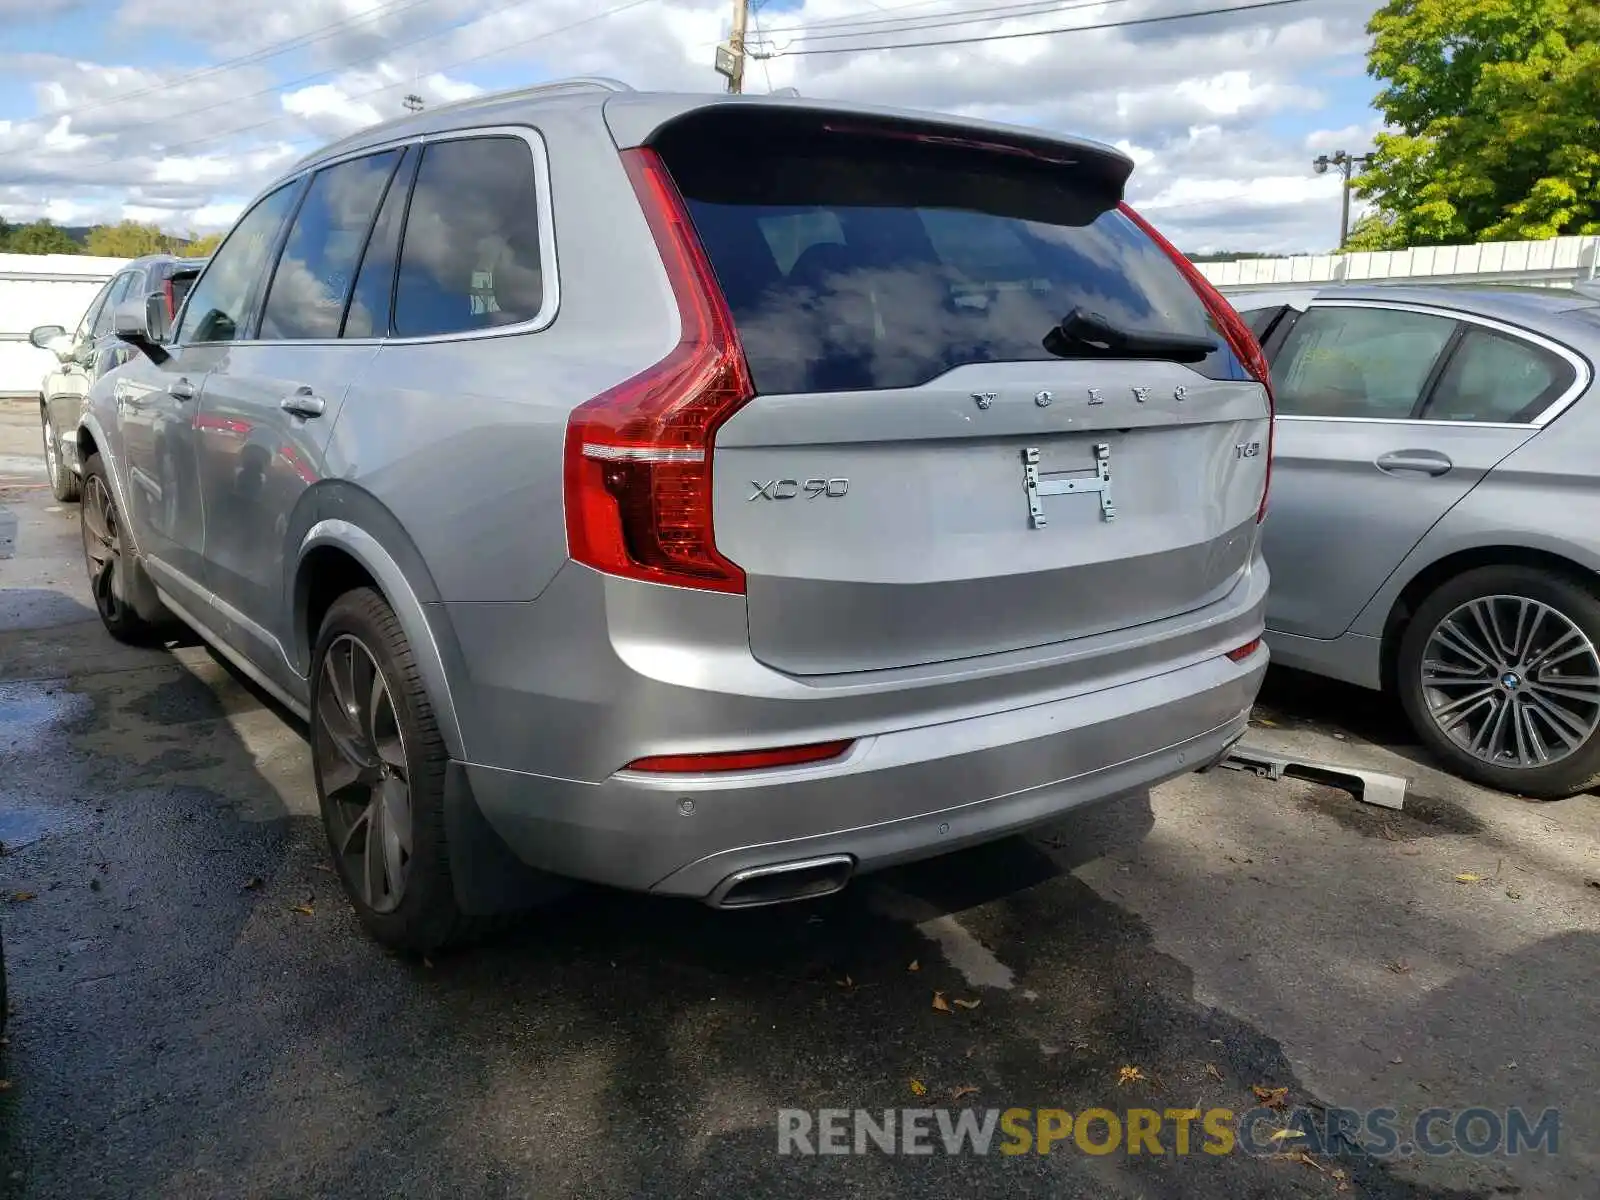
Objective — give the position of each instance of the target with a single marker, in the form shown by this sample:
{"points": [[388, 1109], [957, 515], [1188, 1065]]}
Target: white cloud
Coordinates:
{"points": [[1200, 105]]}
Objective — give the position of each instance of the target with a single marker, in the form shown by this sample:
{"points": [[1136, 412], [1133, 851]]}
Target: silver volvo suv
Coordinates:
{"points": [[715, 496]]}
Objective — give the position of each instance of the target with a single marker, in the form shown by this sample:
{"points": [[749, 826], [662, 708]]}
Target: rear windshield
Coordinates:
{"points": [[871, 263]]}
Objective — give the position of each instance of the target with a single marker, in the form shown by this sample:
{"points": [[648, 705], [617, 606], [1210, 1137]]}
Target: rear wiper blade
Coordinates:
{"points": [[1081, 331]]}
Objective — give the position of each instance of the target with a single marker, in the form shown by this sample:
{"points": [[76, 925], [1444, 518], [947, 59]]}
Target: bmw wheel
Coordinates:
{"points": [[1499, 672]]}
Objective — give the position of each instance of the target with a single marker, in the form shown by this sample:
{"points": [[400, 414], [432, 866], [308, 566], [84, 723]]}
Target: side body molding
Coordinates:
{"points": [[380, 564]]}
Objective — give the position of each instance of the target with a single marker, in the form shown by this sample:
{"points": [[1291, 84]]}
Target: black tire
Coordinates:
{"points": [[425, 916], [109, 588], [64, 484], [1577, 770]]}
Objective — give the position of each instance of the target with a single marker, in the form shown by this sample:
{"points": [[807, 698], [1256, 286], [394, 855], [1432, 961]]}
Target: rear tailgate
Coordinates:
{"points": [[920, 478]]}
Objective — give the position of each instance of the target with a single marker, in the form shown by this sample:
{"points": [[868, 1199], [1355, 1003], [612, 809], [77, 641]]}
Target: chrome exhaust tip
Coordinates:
{"points": [[803, 879]]}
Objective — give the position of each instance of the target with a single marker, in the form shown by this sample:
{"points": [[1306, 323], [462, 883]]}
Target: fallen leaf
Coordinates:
{"points": [[1268, 722], [1212, 1071], [1399, 966], [19, 897], [1511, 1066], [915, 966], [939, 1004], [957, 1093], [1271, 1097], [1513, 894], [1129, 1075], [304, 910], [918, 1088], [5, 1085], [968, 1003], [1279, 1135], [252, 884], [1397, 1060], [1468, 877]]}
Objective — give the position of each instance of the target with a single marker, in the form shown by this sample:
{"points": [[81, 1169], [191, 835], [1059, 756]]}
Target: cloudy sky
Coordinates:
{"points": [[175, 111]]}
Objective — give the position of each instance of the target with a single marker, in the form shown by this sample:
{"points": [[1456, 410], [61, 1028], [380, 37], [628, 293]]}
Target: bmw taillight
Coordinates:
{"points": [[1233, 329], [638, 457]]}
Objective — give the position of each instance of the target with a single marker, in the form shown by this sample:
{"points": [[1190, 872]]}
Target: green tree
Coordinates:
{"points": [[40, 238], [129, 239], [201, 247], [1495, 111]]}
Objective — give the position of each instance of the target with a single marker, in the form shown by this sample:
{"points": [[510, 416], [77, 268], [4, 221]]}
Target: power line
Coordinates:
{"points": [[271, 50], [1035, 8], [270, 121], [1006, 37], [837, 22]]}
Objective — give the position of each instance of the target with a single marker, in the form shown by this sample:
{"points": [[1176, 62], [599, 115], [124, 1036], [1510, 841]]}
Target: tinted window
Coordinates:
{"points": [[218, 304], [1492, 377], [886, 264], [1358, 362], [313, 277], [115, 295], [369, 302], [470, 256], [92, 313]]}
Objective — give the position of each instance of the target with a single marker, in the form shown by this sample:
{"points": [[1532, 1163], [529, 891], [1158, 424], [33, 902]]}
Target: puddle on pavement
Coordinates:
{"points": [[33, 713], [24, 825]]}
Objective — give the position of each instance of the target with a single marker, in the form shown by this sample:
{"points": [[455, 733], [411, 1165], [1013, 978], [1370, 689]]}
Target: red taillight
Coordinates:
{"points": [[1245, 651], [1232, 326], [638, 457], [172, 304], [741, 760]]}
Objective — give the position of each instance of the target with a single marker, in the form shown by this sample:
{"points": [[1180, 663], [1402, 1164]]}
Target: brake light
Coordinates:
{"points": [[1232, 327], [741, 760], [172, 304], [638, 457]]}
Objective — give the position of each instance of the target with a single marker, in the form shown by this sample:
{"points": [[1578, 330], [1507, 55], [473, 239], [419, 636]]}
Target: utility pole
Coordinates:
{"points": [[731, 57], [1346, 165], [413, 102]]}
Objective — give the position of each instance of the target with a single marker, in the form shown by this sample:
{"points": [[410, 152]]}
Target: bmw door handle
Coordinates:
{"points": [[1428, 462], [303, 402], [181, 389]]}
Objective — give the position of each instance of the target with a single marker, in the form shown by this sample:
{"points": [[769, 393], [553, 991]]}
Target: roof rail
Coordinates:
{"points": [[553, 87]]}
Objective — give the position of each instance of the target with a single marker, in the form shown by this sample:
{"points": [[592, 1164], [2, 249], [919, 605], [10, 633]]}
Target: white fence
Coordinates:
{"points": [[1555, 262], [42, 289]]}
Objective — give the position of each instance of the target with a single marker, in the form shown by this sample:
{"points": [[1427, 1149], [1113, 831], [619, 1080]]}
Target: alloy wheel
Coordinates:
{"points": [[361, 764], [1512, 681], [52, 451], [102, 547]]}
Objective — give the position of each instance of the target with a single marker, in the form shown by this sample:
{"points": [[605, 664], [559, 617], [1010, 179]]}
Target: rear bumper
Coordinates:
{"points": [[892, 798]]}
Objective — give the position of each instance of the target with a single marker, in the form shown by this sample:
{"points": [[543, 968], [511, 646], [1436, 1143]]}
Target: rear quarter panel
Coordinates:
{"points": [[461, 440]]}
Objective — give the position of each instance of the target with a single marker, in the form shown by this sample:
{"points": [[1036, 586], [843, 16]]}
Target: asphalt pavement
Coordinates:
{"points": [[197, 1014]]}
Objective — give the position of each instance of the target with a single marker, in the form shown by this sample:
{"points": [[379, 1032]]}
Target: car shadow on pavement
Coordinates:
{"points": [[198, 1013]]}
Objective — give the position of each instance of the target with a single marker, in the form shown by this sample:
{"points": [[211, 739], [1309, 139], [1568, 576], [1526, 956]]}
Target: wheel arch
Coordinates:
{"points": [[1435, 574], [336, 555]]}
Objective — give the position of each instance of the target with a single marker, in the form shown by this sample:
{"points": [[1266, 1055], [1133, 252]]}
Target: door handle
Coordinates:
{"points": [[303, 403], [1429, 462], [181, 389]]}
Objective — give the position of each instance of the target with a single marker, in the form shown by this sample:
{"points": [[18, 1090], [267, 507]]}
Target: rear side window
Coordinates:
{"points": [[368, 312], [307, 295], [470, 257], [118, 292], [864, 262], [1358, 362], [1493, 377]]}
